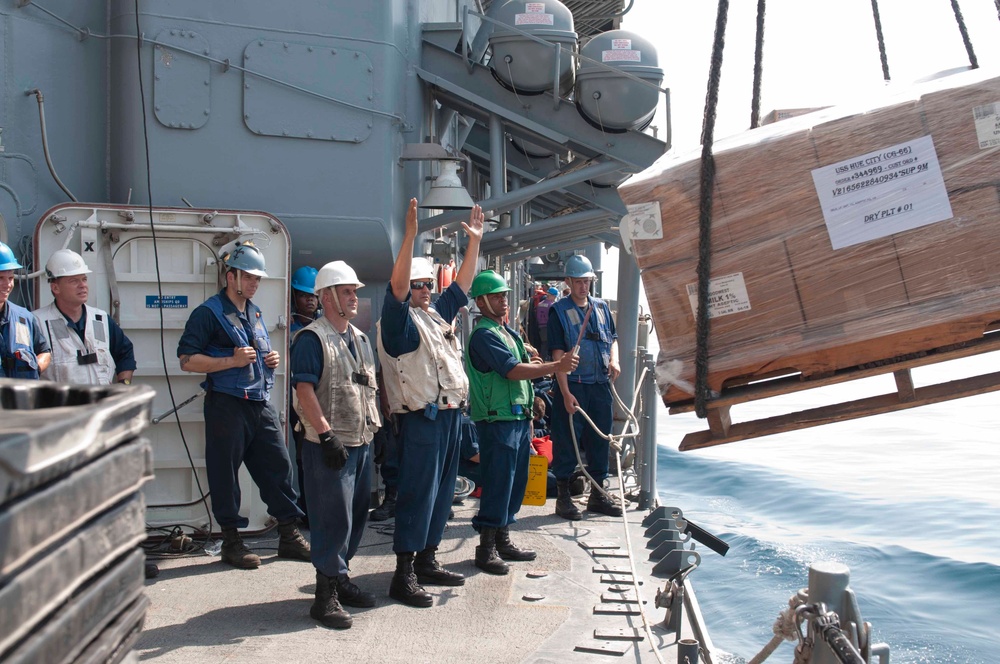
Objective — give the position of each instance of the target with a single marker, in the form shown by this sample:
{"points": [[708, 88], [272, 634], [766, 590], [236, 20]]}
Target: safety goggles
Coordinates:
{"points": [[417, 285]]}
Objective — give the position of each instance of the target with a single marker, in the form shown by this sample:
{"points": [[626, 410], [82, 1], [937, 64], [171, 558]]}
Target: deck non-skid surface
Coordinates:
{"points": [[543, 611]]}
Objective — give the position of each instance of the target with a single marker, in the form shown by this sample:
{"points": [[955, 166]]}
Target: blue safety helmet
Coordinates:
{"points": [[579, 267], [7, 260], [246, 257], [304, 279]]}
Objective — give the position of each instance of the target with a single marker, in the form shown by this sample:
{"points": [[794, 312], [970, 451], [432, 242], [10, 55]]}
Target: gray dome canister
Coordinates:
{"points": [[617, 103], [528, 67]]}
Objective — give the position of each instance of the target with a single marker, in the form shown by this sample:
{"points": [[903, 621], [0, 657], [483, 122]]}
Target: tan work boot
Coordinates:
{"points": [[235, 552]]}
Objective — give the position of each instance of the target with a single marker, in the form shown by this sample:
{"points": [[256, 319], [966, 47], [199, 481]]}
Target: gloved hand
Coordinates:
{"points": [[334, 452]]}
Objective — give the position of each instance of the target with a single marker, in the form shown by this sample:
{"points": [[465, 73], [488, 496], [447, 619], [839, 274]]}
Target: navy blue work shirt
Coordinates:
{"points": [[488, 352]]}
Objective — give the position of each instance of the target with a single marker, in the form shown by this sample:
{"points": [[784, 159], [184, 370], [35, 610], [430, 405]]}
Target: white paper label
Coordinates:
{"points": [[643, 221], [533, 19], [726, 295], [882, 193], [621, 56], [534, 7], [618, 44], [987, 125]]}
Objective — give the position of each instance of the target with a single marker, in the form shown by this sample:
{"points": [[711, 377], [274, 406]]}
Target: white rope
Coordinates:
{"points": [[785, 628], [614, 441]]}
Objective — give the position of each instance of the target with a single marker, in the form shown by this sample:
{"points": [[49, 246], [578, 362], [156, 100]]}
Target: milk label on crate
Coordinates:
{"points": [[987, 125], [881, 193], [726, 295]]}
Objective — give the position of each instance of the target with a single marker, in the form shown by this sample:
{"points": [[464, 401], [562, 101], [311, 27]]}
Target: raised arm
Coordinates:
{"points": [[470, 262], [400, 279]]}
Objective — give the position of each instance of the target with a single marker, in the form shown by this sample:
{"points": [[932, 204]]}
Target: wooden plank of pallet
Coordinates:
{"points": [[796, 383], [848, 410]]}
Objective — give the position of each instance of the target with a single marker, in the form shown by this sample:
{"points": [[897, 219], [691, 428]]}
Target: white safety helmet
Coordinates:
{"points": [[65, 263], [421, 268], [337, 273]]}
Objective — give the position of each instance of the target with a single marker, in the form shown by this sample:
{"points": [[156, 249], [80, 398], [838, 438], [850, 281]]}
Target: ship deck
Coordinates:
{"points": [[543, 611]]}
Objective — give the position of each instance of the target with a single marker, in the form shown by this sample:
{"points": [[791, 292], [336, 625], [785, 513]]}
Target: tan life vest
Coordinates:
{"points": [[67, 347]]}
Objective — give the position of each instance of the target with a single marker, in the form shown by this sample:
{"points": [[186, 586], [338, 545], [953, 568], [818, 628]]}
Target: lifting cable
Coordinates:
{"points": [[758, 66], [881, 41], [705, 211], [973, 62]]}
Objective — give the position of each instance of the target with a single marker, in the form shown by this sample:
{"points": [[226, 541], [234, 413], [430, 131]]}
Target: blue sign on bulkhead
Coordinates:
{"points": [[167, 302]]}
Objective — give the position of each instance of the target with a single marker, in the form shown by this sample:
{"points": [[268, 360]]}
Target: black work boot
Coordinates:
{"points": [[430, 571], [486, 553], [510, 551], [235, 552], [387, 510], [291, 543], [404, 586], [565, 507], [602, 504], [351, 595], [326, 608]]}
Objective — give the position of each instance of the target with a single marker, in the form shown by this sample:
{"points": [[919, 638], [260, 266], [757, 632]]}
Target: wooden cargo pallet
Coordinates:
{"points": [[721, 429]]}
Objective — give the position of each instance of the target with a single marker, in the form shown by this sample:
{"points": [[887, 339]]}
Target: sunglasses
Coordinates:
{"points": [[417, 285]]}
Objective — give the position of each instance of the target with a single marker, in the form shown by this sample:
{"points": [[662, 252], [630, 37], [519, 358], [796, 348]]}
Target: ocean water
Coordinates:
{"points": [[908, 501]]}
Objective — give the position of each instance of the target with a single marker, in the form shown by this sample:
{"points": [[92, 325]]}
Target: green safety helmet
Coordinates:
{"points": [[579, 267], [248, 258], [488, 282], [7, 260]]}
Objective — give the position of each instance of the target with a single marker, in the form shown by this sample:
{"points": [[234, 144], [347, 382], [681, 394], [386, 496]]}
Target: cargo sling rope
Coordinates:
{"points": [[703, 325]]}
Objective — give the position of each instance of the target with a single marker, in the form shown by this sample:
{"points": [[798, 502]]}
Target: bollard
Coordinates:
{"points": [[687, 651]]}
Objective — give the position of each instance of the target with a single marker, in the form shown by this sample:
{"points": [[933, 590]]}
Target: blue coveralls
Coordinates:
{"points": [[241, 425], [338, 500], [504, 446], [11, 366], [428, 449], [589, 383]]}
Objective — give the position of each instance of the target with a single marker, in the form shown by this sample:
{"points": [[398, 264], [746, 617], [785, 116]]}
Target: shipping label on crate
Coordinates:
{"points": [[987, 119], [643, 222], [726, 295], [881, 193]]}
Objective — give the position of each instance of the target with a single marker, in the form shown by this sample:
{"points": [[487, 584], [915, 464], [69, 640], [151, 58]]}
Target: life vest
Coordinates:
{"points": [[253, 381], [492, 397], [19, 359], [87, 361], [542, 312], [347, 391], [595, 346], [432, 374]]}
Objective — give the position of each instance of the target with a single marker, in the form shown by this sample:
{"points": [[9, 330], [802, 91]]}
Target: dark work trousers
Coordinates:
{"points": [[338, 506], [504, 448], [241, 431], [428, 465], [388, 443], [595, 399]]}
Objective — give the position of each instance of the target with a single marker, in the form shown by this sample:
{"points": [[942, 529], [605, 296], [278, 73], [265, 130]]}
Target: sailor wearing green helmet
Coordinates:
{"points": [[500, 398]]}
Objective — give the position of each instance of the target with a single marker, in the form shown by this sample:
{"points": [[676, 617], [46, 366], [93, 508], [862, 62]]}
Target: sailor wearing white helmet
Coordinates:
{"points": [[333, 372], [87, 345], [24, 350], [225, 338], [425, 382]]}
